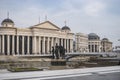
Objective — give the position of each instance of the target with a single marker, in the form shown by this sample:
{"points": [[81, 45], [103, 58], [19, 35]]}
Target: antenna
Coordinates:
{"points": [[8, 15]]}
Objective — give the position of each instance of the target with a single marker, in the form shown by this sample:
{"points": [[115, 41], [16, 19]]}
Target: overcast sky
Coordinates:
{"points": [[86, 16]]}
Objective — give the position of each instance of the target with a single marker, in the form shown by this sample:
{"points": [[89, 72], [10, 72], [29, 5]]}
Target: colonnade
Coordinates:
{"points": [[27, 45], [94, 47]]}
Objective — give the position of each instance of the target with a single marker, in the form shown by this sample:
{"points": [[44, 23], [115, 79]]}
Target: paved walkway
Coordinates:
{"points": [[39, 75]]}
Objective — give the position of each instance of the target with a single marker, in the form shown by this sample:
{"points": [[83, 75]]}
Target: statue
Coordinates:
{"points": [[53, 53], [57, 51], [62, 51]]}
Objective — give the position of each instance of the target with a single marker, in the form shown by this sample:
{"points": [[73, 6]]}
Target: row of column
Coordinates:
{"points": [[94, 47], [2, 44], [49, 42], [40, 45]]}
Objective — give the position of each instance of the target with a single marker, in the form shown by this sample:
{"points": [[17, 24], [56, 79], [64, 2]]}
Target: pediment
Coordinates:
{"points": [[46, 25]]}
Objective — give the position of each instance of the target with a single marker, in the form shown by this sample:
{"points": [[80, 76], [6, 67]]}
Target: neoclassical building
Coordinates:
{"points": [[106, 45], [94, 43], [37, 39], [81, 42]]}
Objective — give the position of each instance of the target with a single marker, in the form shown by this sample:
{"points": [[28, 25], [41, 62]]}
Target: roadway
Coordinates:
{"points": [[96, 73], [97, 76]]}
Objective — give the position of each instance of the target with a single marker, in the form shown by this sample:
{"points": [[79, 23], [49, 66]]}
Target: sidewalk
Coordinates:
{"points": [[55, 73]]}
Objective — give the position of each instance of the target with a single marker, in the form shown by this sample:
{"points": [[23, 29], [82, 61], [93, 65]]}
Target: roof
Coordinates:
{"points": [[46, 25], [93, 36], [105, 39], [7, 21], [65, 28]]}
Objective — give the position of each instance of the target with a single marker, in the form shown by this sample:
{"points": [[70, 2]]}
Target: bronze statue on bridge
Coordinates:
{"points": [[58, 52]]}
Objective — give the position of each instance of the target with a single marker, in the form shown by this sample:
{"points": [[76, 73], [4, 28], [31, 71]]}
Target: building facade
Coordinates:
{"points": [[37, 39], [81, 42], [106, 45], [94, 43]]}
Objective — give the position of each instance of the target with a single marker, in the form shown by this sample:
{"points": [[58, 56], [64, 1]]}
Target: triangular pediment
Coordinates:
{"points": [[46, 25]]}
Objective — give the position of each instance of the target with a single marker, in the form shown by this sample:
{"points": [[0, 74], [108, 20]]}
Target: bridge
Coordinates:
{"points": [[75, 53]]}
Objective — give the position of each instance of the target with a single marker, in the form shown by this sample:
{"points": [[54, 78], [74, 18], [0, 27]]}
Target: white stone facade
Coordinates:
{"points": [[37, 39], [106, 45], [94, 43], [81, 42], [91, 43]]}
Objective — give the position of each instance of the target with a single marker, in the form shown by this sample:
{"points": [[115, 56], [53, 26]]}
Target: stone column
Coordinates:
{"points": [[97, 47], [28, 45], [0, 44], [105, 46], [51, 43], [61, 42], [34, 45], [58, 41], [39, 44], [23, 45], [8, 44], [65, 44], [17, 44], [94, 47], [71, 45], [91, 48], [43, 45], [3, 44], [48, 46], [54, 41], [13, 51]]}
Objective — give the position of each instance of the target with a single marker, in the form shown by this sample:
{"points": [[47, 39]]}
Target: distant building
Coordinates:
{"points": [[91, 43], [106, 45], [81, 42], [37, 39], [94, 43]]}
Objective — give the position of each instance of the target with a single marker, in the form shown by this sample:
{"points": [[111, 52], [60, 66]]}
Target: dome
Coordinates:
{"points": [[105, 39], [65, 28], [93, 36], [7, 21]]}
